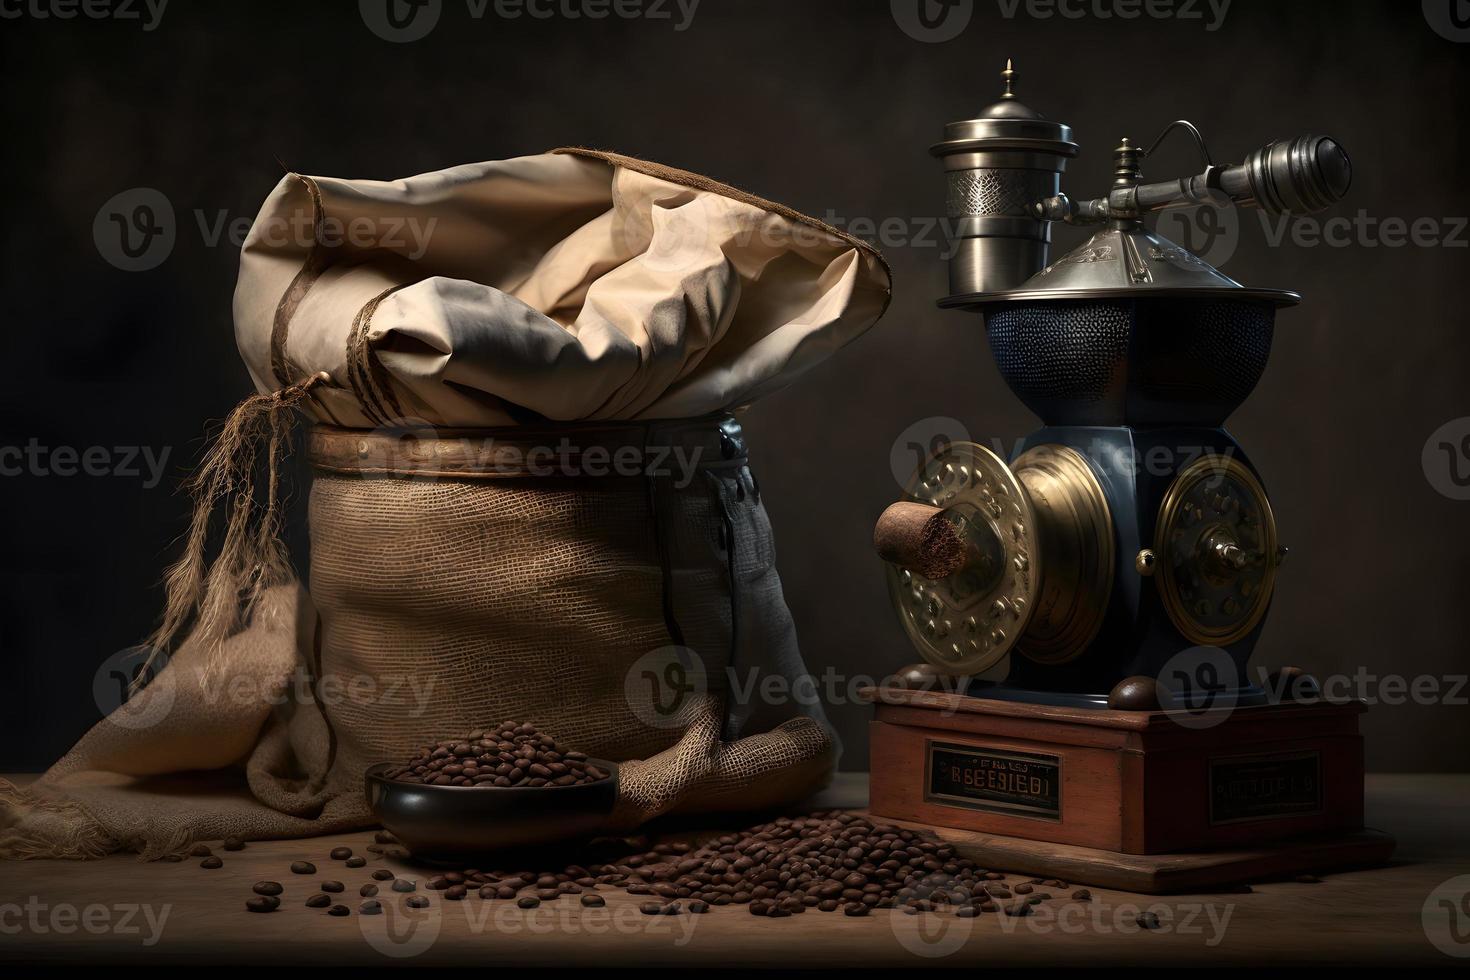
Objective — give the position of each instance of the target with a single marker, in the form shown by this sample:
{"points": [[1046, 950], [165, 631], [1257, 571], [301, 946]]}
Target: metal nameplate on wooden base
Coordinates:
{"points": [[1145, 800]]}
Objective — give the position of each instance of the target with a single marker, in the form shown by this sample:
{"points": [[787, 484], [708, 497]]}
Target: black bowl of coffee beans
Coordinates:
{"points": [[511, 786]]}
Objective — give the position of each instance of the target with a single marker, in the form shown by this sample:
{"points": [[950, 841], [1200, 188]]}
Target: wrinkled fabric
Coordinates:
{"points": [[558, 286]]}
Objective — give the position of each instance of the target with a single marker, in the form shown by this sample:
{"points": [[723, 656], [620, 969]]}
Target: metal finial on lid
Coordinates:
{"points": [[1009, 75]]}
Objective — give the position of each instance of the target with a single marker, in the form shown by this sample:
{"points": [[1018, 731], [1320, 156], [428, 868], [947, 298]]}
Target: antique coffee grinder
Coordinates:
{"points": [[1094, 600]]}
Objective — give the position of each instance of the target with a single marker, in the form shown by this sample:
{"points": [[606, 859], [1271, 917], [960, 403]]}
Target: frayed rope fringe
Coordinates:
{"points": [[220, 596], [32, 827]]}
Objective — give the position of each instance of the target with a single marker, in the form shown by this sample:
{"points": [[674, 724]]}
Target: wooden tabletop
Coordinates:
{"points": [[123, 911]]}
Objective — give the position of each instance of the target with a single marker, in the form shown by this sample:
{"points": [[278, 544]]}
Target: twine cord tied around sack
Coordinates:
{"points": [[219, 596]]}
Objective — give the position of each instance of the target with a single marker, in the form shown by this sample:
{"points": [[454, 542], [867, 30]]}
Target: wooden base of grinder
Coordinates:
{"points": [[1147, 801]]}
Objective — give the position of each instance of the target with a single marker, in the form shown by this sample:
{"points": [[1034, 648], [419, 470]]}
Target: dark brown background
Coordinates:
{"points": [[824, 105]]}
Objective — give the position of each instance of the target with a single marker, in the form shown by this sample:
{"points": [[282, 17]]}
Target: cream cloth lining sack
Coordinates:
{"points": [[556, 295]]}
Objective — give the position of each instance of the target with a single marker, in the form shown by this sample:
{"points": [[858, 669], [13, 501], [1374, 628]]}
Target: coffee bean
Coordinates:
{"points": [[340, 853], [517, 754], [1082, 895], [591, 901], [371, 907], [855, 908], [1023, 889], [383, 837], [263, 903], [368, 890], [319, 901], [200, 851], [548, 894], [233, 844], [211, 863], [339, 910], [698, 907], [383, 874], [356, 861], [1147, 920], [303, 868], [651, 908], [267, 888], [455, 892], [404, 885], [417, 902], [967, 912], [332, 886], [529, 902]]}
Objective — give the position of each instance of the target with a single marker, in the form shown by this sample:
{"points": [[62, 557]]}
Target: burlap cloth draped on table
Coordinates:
{"points": [[572, 299]]}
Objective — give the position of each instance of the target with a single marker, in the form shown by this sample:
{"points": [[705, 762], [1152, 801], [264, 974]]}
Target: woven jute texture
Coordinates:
{"points": [[545, 600], [637, 618]]}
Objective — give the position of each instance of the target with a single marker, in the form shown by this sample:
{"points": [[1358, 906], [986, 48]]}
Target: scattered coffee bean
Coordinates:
{"points": [[383, 874], [651, 908], [303, 868], [698, 907], [417, 901], [371, 907], [267, 888], [404, 885], [967, 911], [233, 844], [340, 853], [368, 890], [356, 861], [513, 754], [1148, 920], [211, 863], [1082, 895], [319, 901], [263, 903], [332, 886], [383, 837], [592, 901], [200, 851], [455, 892], [339, 910], [529, 902], [1024, 889], [855, 908]]}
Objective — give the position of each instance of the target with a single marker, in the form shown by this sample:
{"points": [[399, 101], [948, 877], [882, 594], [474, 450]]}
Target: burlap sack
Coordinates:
{"points": [[636, 615]]}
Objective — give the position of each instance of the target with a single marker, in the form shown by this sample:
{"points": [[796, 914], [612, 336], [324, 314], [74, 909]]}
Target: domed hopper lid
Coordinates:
{"points": [[1127, 262]]}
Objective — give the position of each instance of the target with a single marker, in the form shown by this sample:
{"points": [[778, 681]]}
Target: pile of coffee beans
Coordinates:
{"points": [[830, 861], [514, 754]]}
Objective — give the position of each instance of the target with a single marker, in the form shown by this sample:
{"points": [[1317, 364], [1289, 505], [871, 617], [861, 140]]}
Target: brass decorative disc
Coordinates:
{"points": [[1215, 544], [1076, 562], [968, 622]]}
